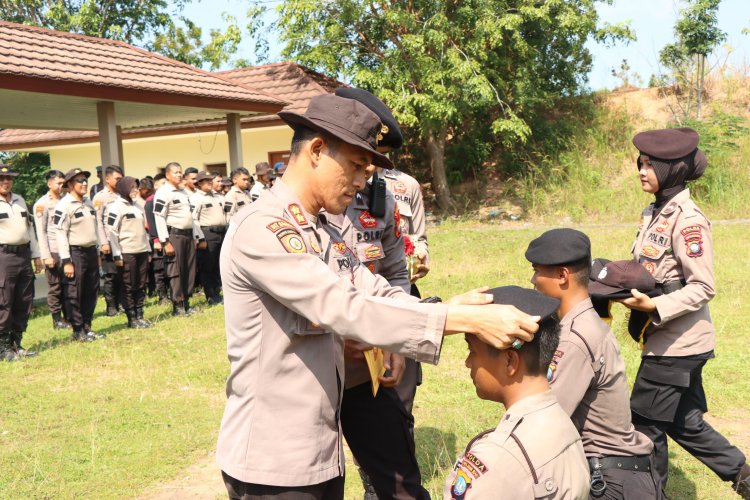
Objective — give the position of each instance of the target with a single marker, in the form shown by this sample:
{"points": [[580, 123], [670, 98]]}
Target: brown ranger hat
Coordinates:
{"points": [[345, 119], [70, 175], [6, 171], [615, 279], [204, 176], [667, 144]]}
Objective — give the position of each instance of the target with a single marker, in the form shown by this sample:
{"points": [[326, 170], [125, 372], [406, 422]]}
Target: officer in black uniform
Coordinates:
{"points": [[18, 245]]}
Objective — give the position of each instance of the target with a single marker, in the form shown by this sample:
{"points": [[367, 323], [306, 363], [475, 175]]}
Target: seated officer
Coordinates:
{"points": [[536, 451], [587, 373]]}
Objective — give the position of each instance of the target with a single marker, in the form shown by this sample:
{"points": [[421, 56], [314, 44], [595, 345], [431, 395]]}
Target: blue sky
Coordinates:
{"points": [[652, 21]]}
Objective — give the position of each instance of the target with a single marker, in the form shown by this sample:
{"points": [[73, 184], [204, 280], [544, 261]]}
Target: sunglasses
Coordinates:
{"points": [[81, 180]]}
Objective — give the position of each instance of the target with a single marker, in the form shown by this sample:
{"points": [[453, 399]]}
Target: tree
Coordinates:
{"points": [[34, 166], [698, 34], [441, 64], [151, 24]]}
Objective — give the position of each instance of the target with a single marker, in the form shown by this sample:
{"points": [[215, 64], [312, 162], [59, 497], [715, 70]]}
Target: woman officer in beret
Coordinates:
{"points": [[674, 244]]}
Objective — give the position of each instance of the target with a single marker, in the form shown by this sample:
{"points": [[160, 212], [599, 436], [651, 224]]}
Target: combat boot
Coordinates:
{"points": [[742, 482], [23, 353], [92, 334], [163, 298], [213, 297], [179, 310], [80, 336], [7, 353], [132, 323], [188, 310], [58, 323], [111, 310], [139, 317]]}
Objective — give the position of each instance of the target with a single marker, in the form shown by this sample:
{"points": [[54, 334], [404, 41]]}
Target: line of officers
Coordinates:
{"points": [[159, 235]]}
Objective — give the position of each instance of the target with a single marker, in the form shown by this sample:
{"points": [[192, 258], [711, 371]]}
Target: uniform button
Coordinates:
{"points": [[601, 360], [549, 485]]}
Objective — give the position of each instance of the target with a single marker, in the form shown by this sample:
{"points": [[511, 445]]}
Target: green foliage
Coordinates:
{"points": [[152, 24], [32, 167]]}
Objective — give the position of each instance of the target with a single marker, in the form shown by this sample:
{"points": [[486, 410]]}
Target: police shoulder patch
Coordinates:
{"points": [[279, 224], [292, 241], [39, 212]]}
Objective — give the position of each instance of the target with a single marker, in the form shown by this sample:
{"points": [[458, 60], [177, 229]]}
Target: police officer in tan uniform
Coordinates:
{"points": [[128, 237], [283, 266], [208, 213], [75, 223], [238, 195], [18, 246], [112, 279], [178, 235], [535, 451], [587, 373], [674, 244], [44, 211]]}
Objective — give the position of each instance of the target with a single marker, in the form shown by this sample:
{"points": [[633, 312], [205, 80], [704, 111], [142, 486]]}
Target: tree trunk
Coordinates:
{"points": [[435, 149], [701, 71]]}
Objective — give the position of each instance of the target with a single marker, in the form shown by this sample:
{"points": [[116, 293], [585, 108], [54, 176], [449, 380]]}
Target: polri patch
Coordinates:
{"points": [[298, 214], [461, 485], [399, 187], [693, 240], [291, 241], [278, 225], [367, 220], [39, 211]]}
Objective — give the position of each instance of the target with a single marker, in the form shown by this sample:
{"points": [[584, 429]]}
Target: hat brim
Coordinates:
{"points": [[8, 174], [597, 289], [378, 159], [82, 172]]}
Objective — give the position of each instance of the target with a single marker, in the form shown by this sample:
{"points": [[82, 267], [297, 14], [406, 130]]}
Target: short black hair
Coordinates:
{"points": [[239, 171], [171, 165], [303, 134], [159, 177], [190, 170], [146, 183], [580, 271], [54, 174], [537, 354], [111, 169]]}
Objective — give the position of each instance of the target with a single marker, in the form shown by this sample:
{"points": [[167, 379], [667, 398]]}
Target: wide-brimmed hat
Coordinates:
{"points": [[345, 119], [7, 171], [204, 176], [72, 173], [615, 279], [390, 133]]}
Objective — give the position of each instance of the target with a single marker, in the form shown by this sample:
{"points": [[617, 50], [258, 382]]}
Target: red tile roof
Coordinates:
{"points": [[37, 59], [289, 81]]}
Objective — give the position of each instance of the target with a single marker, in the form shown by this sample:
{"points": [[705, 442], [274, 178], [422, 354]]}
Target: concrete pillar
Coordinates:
{"points": [[109, 145], [119, 147], [234, 131]]}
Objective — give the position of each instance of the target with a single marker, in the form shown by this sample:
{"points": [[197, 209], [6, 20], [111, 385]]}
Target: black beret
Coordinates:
{"points": [[615, 279], [391, 133], [525, 299], [559, 246], [667, 144]]}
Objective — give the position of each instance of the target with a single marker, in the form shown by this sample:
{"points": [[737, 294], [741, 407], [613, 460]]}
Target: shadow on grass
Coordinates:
{"points": [[679, 485], [436, 450]]}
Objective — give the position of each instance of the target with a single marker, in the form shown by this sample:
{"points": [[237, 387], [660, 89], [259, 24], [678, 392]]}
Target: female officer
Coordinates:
{"points": [[130, 249], [674, 244]]}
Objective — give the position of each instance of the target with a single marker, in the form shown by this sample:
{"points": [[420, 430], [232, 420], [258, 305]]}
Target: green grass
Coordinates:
{"points": [[117, 417]]}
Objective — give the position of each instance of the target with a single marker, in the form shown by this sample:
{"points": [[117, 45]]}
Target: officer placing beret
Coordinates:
{"points": [[536, 451], [587, 372], [674, 244], [294, 290]]}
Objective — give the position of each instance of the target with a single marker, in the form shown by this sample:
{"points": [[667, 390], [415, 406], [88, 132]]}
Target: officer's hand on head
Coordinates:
{"points": [[50, 263], [422, 268], [394, 365], [639, 301], [494, 324], [119, 262], [472, 297], [68, 270], [353, 350], [38, 267], [202, 245], [168, 249], [106, 250]]}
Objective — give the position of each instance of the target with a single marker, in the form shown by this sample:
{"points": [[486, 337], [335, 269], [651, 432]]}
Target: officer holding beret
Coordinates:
{"points": [[18, 246], [674, 244], [587, 372], [77, 239]]}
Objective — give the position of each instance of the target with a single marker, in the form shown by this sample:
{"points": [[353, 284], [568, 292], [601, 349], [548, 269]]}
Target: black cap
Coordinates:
{"points": [[72, 173], [525, 299], [391, 133], [667, 144], [345, 119], [615, 279], [559, 246], [7, 170]]}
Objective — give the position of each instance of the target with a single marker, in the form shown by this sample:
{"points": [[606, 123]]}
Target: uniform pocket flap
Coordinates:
{"points": [[545, 488], [665, 374]]}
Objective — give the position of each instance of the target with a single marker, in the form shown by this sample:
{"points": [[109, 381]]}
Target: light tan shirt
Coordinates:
{"points": [[172, 209], [101, 202], [379, 245], [208, 209], [408, 195], [75, 224], [235, 200], [127, 228], [677, 246], [16, 226], [300, 291], [257, 190], [587, 375], [44, 212], [535, 452]]}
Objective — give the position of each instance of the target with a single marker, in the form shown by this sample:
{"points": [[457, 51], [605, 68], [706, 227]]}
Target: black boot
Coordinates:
{"points": [[81, 336], [213, 297], [163, 297], [139, 317], [742, 482], [92, 334], [23, 353], [179, 310], [7, 352], [111, 309], [188, 310], [58, 323], [132, 323]]}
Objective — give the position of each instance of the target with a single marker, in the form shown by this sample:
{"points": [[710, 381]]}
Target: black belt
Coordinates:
{"points": [[639, 463], [670, 286], [15, 248], [181, 232], [79, 247], [215, 229]]}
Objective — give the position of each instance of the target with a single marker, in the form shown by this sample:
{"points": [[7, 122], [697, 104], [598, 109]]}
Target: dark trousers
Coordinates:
{"points": [[180, 267], [134, 279], [378, 432], [81, 291], [668, 400], [54, 285], [629, 485], [208, 262], [112, 286], [16, 290], [332, 489], [161, 283]]}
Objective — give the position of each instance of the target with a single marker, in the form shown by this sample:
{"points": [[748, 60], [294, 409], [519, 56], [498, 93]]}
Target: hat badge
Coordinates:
{"points": [[5, 169], [78, 170], [383, 130], [602, 274]]}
